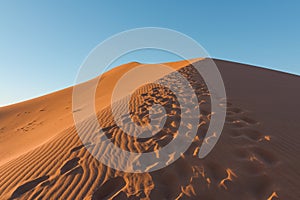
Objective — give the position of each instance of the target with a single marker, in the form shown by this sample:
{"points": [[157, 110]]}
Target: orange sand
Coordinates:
{"points": [[42, 157]]}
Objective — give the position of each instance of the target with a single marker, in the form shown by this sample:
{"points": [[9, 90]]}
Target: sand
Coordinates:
{"points": [[257, 156]]}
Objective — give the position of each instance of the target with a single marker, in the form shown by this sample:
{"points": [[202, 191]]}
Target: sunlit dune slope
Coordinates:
{"points": [[26, 125]]}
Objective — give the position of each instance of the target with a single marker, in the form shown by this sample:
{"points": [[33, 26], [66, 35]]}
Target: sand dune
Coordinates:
{"points": [[42, 157]]}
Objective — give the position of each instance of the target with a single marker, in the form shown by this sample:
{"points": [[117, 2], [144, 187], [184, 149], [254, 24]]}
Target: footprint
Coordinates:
{"points": [[241, 154], [247, 133], [264, 155], [252, 168], [109, 188], [69, 165], [234, 110], [108, 128], [239, 124], [254, 159], [120, 196], [252, 134], [27, 187], [2, 129], [76, 170], [215, 170], [249, 120], [259, 186], [80, 147], [235, 133], [77, 110]]}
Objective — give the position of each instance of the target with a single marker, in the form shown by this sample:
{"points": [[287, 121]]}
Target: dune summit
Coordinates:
{"points": [[256, 157]]}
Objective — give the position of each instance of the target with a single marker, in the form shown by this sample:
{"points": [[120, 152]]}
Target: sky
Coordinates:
{"points": [[44, 43]]}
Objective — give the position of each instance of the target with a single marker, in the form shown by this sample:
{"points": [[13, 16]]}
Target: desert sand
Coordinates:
{"points": [[256, 157]]}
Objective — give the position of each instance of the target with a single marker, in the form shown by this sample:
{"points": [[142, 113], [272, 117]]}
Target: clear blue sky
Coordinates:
{"points": [[42, 44]]}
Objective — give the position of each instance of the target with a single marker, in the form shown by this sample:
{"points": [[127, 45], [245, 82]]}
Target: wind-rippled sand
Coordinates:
{"points": [[256, 157]]}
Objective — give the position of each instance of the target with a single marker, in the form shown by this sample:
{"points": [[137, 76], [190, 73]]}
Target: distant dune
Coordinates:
{"points": [[256, 157]]}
